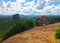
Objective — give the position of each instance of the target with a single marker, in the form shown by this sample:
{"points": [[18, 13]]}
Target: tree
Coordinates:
{"points": [[18, 28], [42, 20]]}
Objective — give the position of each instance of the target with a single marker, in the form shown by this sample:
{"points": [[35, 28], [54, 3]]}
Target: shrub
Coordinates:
{"points": [[52, 21], [23, 25], [57, 33], [19, 27]]}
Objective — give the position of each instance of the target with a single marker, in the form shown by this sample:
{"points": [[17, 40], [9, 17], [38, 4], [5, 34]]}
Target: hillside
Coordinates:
{"points": [[42, 34]]}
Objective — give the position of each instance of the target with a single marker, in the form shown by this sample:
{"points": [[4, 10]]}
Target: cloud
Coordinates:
{"points": [[40, 4], [56, 0], [30, 3], [42, 7], [16, 7], [20, 1], [48, 0]]}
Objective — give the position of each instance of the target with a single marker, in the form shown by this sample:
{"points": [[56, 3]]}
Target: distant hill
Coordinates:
{"points": [[27, 16], [42, 34], [5, 16], [55, 17]]}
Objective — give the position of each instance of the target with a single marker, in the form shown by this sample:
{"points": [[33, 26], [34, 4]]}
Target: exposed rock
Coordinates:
{"points": [[16, 16], [42, 20]]}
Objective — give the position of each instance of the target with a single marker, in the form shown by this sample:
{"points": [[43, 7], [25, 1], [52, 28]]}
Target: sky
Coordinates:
{"points": [[26, 7]]}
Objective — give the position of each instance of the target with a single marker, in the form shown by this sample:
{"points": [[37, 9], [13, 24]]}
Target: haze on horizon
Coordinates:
{"points": [[26, 7]]}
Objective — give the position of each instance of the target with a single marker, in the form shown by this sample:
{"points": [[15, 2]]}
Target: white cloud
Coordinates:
{"points": [[30, 3], [15, 7], [55, 0], [48, 0], [20, 1], [31, 8]]}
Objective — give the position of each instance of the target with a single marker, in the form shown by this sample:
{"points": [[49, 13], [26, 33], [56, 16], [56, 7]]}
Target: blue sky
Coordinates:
{"points": [[30, 6], [55, 3], [10, 0], [15, 0]]}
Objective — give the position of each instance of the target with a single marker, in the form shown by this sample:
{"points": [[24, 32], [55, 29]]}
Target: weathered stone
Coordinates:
{"points": [[42, 20], [16, 16]]}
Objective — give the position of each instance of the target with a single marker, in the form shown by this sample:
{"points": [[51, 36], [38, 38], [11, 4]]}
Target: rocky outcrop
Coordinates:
{"points": [[42, 20], [16, 16]]}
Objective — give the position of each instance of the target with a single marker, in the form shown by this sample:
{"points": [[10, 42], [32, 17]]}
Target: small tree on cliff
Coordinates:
{"points": [[43, 20]]}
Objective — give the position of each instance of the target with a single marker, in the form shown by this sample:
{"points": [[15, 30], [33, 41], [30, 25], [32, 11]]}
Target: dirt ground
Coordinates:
{"points": [[42, 34]]}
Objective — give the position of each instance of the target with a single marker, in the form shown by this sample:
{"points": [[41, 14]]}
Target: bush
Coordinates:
{"points": [[23, 25], [19, 27], [52, 21], [57, 33]]}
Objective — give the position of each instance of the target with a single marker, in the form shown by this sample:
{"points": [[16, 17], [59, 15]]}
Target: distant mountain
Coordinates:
{"points": [[5, 16], [21, 15], [27, 16]]}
